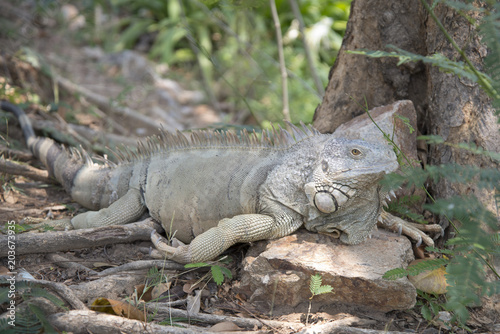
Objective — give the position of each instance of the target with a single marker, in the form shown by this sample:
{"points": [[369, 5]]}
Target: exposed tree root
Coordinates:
{"points": [[29, 243], [33, 173]]}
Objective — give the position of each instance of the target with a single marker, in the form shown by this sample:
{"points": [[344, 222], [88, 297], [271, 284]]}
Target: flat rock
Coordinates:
{"points": [[277, 273]]}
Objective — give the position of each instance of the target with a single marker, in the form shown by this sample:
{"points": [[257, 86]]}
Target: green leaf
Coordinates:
{"points": [[47, 327], [217, 274], [446, 65], [315, 283], [406, 121], [415, 269], [324, 289], [426, 313], [227, 272], [196, 265], [316, 287]]}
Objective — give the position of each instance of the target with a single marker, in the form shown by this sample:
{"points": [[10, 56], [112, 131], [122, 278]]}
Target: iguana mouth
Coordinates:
{"points": [[332, 232]]}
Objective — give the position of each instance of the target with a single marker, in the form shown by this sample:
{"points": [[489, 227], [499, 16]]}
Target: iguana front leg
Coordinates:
{"points": [[412, 230], [241, 228]]}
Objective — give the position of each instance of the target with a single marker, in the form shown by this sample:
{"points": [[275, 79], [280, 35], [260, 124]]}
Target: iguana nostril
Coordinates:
{"points": [[325, 202]]}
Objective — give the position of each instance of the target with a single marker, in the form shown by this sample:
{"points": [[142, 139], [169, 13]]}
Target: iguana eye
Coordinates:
{"points": [[324, 166], [355, 152]]}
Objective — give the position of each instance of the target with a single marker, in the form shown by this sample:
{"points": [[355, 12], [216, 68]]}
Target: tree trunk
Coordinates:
{"points": [[446, 105]]}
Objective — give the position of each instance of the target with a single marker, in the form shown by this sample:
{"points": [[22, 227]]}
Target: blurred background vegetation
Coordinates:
{"points": [[228, 48]]}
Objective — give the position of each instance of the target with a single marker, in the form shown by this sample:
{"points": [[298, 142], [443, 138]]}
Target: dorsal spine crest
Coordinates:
{"points": [[167, 141]]}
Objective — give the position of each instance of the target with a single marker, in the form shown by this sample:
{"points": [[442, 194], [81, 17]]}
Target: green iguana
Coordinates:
{"points": [[216, 189]]}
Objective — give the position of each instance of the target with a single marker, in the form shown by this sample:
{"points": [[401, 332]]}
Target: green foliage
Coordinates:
{"points": [[316, 288], [30, 319], [475, 240], [430, 305], [477, 233], [218, 272], [490, 31], [445, 64], [232, 46], [402, 207]]}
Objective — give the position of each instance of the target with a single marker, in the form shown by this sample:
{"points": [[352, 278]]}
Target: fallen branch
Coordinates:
{"points": [[335, 328], [83, 322], [104, 138], [113, 286], [18, 155], [106, 104], [63, 262], [12, 168], [48, 242], [213, 318], [141, 265], [62, 290]]}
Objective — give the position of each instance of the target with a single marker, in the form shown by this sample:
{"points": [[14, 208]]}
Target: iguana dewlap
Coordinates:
{"points": [[216, 189]]}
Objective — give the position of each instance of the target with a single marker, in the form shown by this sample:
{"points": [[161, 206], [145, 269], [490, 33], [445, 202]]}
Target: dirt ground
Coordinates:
{"points": [[47, 39]]}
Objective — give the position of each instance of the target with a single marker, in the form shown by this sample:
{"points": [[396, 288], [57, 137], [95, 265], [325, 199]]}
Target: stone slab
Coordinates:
{"points": [[277, 272]]}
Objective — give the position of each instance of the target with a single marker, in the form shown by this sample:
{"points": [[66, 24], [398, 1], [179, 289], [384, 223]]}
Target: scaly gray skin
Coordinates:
{"points": [[216, 190]]}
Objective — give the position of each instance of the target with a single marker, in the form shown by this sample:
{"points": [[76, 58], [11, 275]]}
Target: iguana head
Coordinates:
{"points": [[343, 192]]}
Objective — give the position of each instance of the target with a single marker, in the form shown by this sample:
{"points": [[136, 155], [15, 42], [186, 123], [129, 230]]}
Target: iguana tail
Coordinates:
{"points": [[61, 163]]}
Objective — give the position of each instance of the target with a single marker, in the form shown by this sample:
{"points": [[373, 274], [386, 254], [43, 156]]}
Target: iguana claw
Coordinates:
{"points": [[414, 231], [159, 242], [419, 241], [179, 254]]}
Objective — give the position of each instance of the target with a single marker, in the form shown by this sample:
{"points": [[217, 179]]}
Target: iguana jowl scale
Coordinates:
{"points": [[216, 189]]}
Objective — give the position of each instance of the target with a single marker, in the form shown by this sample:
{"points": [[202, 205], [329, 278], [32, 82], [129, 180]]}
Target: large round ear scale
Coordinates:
{"points": [[325, 202]]}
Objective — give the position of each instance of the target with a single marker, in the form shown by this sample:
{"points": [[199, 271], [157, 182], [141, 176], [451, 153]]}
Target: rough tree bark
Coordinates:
{"points": [[446, 105]]}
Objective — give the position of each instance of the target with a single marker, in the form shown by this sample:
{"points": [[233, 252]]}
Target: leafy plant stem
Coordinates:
{"points": [[310, 63], [206, 82], [480, 76], [281, 55]]}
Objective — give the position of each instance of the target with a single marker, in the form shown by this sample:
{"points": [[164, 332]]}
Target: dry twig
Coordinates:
{"points": [[33, 173], [63, 262], [284, 75], [213, 318], [62, 290], [83, 322], [310, 63], [141, 265], [30, 243]]}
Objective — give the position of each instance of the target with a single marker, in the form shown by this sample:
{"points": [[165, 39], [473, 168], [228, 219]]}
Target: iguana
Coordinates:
{"points": [[216, 189]]}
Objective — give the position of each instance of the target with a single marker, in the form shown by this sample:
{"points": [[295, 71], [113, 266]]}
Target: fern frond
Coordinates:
{"points": [[463, 6], [39, 292], [217, 274], [395, 273], [5, 328], [227, 272], [47, 327], [315, 283], [490, 30], [446, 65], [415, 269], [324, 289]]}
